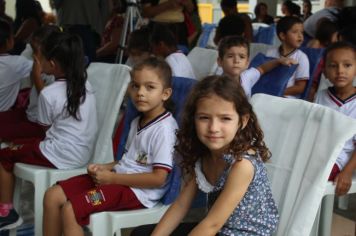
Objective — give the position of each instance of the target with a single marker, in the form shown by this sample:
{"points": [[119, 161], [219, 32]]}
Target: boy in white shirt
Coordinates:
{"points": [[340, 70], [12, 68], [234, 60], [290, 32], [164, 45]]}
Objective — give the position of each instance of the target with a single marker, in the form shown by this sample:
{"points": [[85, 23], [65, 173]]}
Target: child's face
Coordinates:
{"points": [[234, 61], [148, 93], [340, 67], [216, 122], [294, 36]]}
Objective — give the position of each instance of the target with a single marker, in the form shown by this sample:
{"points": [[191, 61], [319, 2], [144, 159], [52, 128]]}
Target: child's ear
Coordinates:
{"points": [[167, 92], [281, 36], [244, 120]]}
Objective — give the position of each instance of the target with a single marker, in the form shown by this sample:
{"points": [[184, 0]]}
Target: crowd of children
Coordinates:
{"points": [[219, 143]]}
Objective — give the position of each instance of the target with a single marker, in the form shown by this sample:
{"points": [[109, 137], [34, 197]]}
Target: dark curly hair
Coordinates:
{"points": [[188, 145]]}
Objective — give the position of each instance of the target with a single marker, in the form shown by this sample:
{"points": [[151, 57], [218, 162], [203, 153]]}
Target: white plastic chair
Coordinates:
{"points": [[256, 48], [202, 61], [305, 140], [110, 82]]}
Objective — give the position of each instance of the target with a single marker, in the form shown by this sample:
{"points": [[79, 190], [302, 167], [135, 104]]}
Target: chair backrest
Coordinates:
{"points": [[110, 82], [256, 48], [275, 81], [256, 26], [314, 56], [266, 35], [207, 32], [202, 61], [305, 140]]}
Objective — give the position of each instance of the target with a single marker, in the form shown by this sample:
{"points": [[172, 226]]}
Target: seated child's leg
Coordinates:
{"points": [[334, 172], [28, 152], [110, 197], [53, 202]]}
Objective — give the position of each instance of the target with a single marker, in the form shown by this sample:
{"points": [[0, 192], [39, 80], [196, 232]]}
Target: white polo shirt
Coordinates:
{"points": [[328, 98], [12, 70], [69, 142], [302, 71], [147, 148]]}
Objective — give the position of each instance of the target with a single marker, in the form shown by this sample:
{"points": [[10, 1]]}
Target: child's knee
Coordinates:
{"points": [[54, 196]]}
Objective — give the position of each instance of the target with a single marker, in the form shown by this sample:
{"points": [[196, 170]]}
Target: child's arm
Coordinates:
{"points": [[177, 210], [36, 74], [241, 175], [297, 88], [154, 179], [271, 64], [92, 168], [343, 180]]}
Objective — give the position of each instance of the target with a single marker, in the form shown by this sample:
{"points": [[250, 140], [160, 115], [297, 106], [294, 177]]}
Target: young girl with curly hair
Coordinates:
{"points": [[222, 150]]}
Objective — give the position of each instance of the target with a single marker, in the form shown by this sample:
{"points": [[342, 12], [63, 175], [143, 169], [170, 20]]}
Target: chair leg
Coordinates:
{"points": [[38, 207], [314, 231], [326, 215], [343, 202]]}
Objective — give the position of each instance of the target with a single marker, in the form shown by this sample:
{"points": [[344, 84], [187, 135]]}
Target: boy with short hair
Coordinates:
{"points": [[290, 32], [12, 68], [340, 70], [164, 45], [234, 60]]}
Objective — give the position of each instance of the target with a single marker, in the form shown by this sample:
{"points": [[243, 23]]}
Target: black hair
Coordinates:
{"points": [[228, 3], [67, 50], [325, 30], [293, 8], [162, 33], [163, 71], [229, 26], [27, 9], [339, 45], [233, 41], [138, 40], [5, 32], [44, 31], [347, 24], [286, 23], [257, 9]]}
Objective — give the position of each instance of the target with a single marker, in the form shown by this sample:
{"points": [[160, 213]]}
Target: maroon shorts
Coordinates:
{"points": [[14, 124], [26, 151], [334, 172], [86, 198]]}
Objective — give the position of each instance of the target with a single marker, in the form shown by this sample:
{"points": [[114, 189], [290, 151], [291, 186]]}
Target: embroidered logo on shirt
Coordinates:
{"points": [[95, 197], [142, 159]]}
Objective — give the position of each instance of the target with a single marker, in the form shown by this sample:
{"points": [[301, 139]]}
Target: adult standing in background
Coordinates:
{"points": [[169, 12], [330, 11], [85, 18]]}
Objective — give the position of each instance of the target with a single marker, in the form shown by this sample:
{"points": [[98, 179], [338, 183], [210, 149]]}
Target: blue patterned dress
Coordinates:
{"points": [[256, 213]]}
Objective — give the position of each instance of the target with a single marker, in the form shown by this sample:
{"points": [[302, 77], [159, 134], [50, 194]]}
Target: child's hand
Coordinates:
{"points": [[103, 177], [36, 67], [343, 182], [287, 61]]}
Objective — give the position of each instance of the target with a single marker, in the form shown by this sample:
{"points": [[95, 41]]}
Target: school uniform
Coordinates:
{"points": [[180, 65], [147, 148], [68, 142], [12, 70], [302, 71], [327, 97]]}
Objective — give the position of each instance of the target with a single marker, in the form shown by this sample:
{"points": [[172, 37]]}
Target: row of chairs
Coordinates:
{"points": [[292, 131]]}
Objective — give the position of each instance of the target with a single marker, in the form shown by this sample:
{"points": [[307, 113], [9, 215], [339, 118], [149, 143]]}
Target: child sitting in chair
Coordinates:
{"points": [[139, 179], [290, 32]]}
